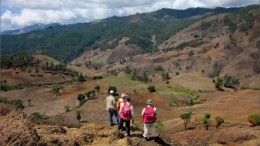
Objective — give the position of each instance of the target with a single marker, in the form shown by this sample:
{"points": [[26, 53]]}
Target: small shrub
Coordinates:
{"points": [[205, 120], [135, 91], [18, 104], [97, 88], [81, 98], [66, 108], [81, 78], [219, 121], [78, 115], [38, 116], [177, 73], [151, 89], [254, 119], [60, 118], [97, 77], [56, 89], [158, 124], [186, 118], [3, 100]]}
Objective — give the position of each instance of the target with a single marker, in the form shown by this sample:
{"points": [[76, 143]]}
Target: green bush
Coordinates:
{"points": [[81, 98], [97, 88], [56, 89], [81, 78], [3, 100], [18, 104], [219, 121], [38, 116], [158, 124], [186, 118], [66, 108], [78, 115], [97, 77], [151, 89], [254, 119], [205, 120]]}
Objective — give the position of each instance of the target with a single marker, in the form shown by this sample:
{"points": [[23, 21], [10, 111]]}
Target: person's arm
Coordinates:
{"points": [[132, 112], [155, 112], [143, 111], [120, 109]]}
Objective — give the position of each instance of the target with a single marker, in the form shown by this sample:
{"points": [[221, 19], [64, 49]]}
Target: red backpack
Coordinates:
{"points": [[126, 112], [149, 116]]}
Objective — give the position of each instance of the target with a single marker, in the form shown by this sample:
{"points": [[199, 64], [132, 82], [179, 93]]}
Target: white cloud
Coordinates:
{"points": [[74, 11]]}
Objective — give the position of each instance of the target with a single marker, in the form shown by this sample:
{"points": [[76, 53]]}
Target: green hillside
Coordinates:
{"points": [[69, 41]]}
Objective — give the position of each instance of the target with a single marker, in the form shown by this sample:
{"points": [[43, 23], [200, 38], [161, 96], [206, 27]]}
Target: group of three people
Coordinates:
{"points": [[124, 112]]}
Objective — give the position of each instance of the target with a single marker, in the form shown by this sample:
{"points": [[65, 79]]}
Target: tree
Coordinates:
{"points": [[205, 120], [56, 88], [97, 88], [134, 74], [29, 102], [165, 76], [81, 98], [36, 70], [219, 121], [145, 77], [151, 89], [66, 108], [127, 70], [219, 83], [78, 115], [81, 78], [186, 118]]}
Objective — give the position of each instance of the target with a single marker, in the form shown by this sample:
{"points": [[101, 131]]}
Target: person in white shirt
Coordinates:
{"points": [[110, 106]]}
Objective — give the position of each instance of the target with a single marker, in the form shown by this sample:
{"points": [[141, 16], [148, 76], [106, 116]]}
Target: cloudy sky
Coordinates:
{"points": [[17, 14]]}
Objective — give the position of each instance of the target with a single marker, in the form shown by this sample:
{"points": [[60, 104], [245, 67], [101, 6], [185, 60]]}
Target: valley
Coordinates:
{"points": [[205, 67]]}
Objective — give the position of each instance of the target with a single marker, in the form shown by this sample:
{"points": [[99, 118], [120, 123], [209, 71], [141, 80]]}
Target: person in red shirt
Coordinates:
{"points": [[149, 118]]}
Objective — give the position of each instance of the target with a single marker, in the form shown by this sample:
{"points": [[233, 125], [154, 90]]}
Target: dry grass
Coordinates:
{"points": [[16, 130]]}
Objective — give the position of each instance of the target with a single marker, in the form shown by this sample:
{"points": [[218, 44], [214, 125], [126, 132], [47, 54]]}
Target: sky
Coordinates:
{"points": [[16, 14]]}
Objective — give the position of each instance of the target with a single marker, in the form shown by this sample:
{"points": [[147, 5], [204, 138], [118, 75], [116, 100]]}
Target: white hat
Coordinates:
{"points": [[123, 95], [111, 92], [149, 102]]}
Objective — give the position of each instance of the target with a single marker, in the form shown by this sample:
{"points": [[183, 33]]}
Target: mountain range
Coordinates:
{"points": [[30, 28], [214, 42]]}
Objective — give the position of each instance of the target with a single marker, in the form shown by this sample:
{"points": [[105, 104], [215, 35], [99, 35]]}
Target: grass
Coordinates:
{"points": [[123, 82], [175, 92], [178, 91]]}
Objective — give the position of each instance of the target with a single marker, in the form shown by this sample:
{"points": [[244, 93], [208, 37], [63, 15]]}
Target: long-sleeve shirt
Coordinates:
{"points": [[154, 108], [131, 108], [110, 102]]}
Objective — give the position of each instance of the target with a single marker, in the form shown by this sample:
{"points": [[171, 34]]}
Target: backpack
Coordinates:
{"points": [[126, 112], [118, 106], [149, 116], [119, 101]]}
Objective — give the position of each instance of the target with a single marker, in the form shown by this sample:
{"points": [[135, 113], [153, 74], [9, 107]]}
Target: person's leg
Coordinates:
{"points": [[116, 115], [111, 117], [153, 130], [120, 126], [145, 131], [127, 127]]}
